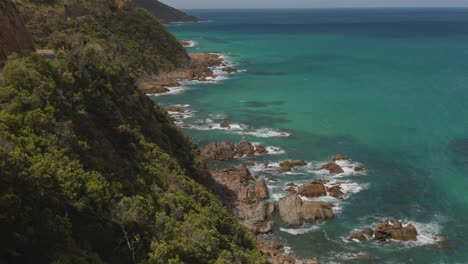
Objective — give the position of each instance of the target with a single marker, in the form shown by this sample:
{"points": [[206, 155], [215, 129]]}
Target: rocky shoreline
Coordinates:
{"points": [[248, 197], [201, 68]]}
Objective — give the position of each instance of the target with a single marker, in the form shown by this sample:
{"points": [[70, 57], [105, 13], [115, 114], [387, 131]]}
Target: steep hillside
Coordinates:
{"points": [[165, 13], [13, 35], [92, 171]]}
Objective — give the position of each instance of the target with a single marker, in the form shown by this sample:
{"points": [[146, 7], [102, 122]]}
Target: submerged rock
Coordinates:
{"points": [[336, 191], [225, 125], [229, 69]]}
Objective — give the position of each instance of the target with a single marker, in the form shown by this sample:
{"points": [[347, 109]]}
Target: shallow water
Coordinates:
{"points": [[388, 88]]}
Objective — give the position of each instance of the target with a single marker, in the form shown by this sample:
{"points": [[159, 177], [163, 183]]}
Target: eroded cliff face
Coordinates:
{"points": [[14, 37]]}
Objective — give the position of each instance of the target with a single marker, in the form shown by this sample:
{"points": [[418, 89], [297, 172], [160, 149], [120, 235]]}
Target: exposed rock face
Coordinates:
{"points": [[387, 229], [245, 148], [335, 191], [226, 150], [165, 13], [223, 150], [14, 37], [333, 168], [261, 150], [358, 169], [245, 198], [287, 165], [393, 229], [261, 190], [313, 189], [294, 211]]}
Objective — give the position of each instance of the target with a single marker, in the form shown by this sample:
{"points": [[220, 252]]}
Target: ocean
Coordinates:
{"points": [[386, 87]]}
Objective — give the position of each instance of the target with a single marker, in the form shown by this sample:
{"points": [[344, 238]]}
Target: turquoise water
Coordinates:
{"points": [[388, 88]]}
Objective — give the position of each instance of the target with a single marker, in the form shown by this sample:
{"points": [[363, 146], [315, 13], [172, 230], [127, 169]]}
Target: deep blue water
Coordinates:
{"points": [[386, 87]]}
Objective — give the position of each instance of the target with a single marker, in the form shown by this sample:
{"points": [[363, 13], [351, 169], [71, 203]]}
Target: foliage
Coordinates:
{"points": [[91, 170]]}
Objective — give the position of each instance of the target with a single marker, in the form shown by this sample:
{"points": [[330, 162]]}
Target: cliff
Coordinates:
{"points": [[165, 13], [13, 34], [92, 170]]}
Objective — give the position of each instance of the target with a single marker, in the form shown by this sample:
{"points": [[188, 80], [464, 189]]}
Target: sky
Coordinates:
{"points": [[190, 4]]}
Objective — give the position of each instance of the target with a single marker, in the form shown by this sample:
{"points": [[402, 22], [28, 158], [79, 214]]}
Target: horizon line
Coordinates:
{"points": [[303, 8]]}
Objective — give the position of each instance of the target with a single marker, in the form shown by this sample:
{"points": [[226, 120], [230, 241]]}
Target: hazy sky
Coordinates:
{"points": [[312, 3]]}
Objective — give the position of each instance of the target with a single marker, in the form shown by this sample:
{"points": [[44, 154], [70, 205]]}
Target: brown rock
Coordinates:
{"points": [[158, 90], [261, 190], [273, 178], [312, 189], [225, 125], [335, 191], [261, 150], [332, 168], [186, 125], [220, 151], [287, 165], [245, 148], [362, 257], [339, 157], [358, 168], [229, 69], [294, 211], [393, 229]]}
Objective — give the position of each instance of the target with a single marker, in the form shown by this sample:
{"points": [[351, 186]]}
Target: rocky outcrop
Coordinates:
{"points": [[385, 230], [393, 229], [339, 157], [219, 151], [312, 189], [275, 249], [14, 37], [336, 191], [225, 150], [261, 190], [245, 148], [287, 165], [294, 211], [333, 168], [246, 198], [261, 149]]}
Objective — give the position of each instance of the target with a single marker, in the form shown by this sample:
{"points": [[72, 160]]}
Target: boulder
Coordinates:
{"points": [[225, 125], [312, 189], [261, 149], [245, 148], [333, 168], [363, 235], [255, 216], [176, 109], [261, 190], [294, 211], [339, 157], [335, 191], [287, 165], [158, 90], [219, 151], [393, 229]]}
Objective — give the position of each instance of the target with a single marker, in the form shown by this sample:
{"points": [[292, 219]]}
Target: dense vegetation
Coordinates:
{"points": [[91, 170]]}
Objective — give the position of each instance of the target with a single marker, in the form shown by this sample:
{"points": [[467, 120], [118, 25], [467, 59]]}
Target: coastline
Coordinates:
{"points": [[255, 209]]}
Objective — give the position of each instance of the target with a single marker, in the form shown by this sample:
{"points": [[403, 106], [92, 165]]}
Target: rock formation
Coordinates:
{"points": [[385, 230], [294, 211], [287, 165], [220, 151], [246, 198]]}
